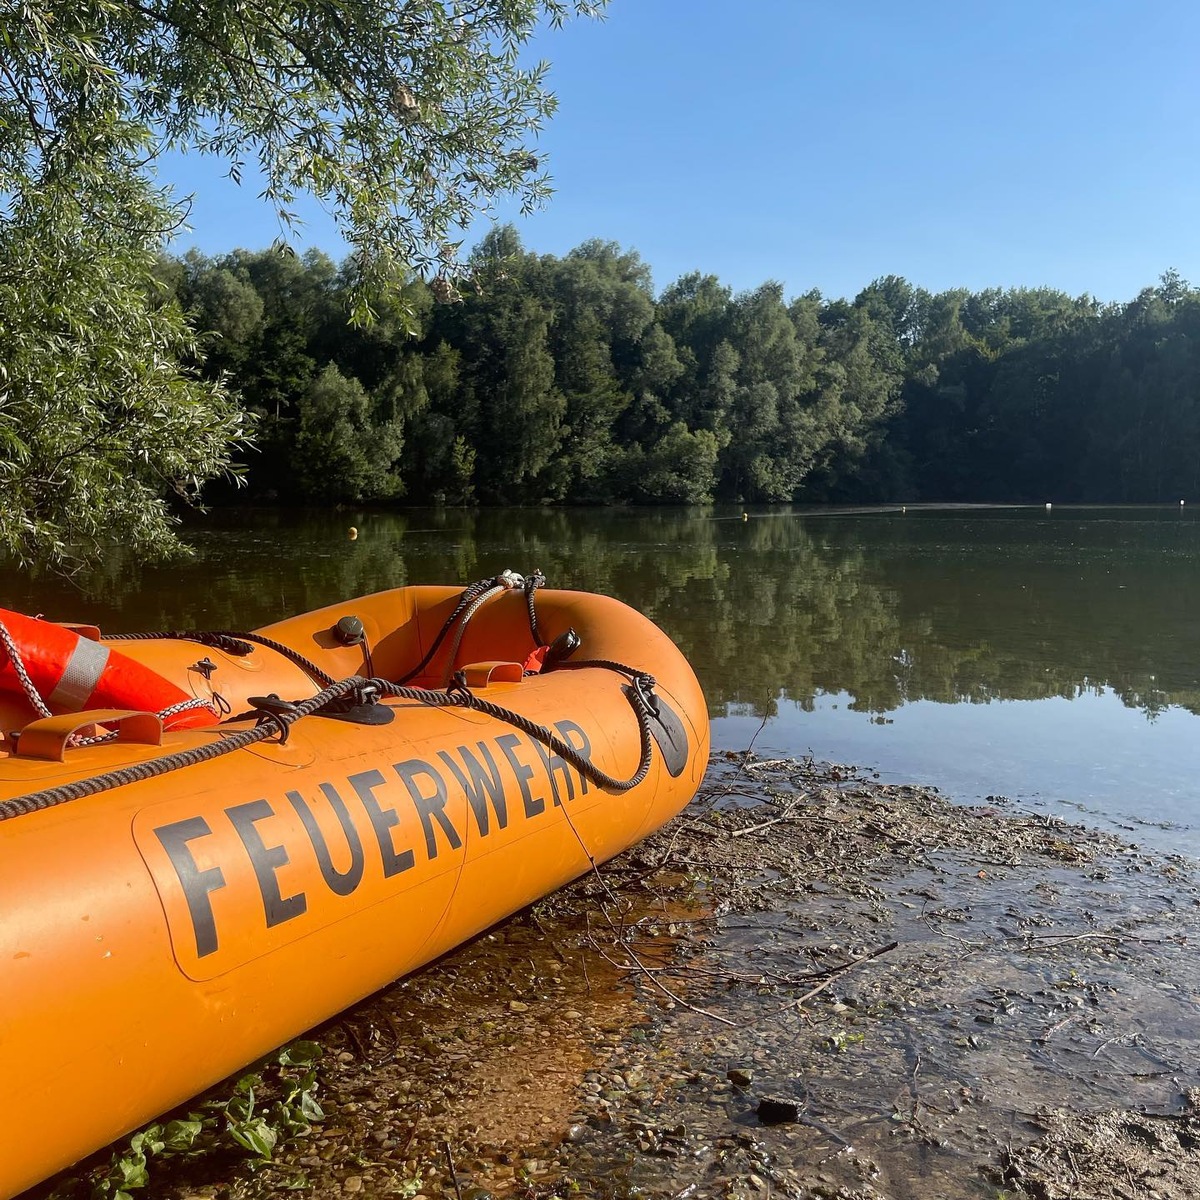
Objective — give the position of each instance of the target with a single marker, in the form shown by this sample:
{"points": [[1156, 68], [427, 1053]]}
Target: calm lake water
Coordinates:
{"points": [[1049, 656]]}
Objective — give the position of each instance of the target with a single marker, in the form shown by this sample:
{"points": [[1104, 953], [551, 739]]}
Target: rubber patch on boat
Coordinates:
{"points": [[671, 737]]}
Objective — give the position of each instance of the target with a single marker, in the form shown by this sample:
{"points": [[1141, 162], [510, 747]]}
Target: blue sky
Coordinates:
{"points": [[824, 144]]}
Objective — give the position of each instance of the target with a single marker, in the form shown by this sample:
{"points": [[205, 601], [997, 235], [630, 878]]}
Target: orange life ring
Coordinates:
{"points": [[74, 673]]}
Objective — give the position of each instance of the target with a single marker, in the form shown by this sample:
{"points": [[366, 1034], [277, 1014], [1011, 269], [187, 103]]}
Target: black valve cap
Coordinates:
{"points": [[349, 631]]}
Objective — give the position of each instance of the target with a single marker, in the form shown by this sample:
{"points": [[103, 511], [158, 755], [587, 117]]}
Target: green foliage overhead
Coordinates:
{"points": [[406, 120]]}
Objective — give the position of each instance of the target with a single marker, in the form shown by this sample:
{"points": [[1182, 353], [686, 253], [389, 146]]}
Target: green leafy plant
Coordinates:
{"points": [[243, 1121]]}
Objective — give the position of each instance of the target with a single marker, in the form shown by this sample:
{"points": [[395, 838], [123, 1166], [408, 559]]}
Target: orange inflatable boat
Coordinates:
{"points": [[211, 842]]}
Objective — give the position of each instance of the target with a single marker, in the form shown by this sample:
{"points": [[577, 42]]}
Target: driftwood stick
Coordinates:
{"points": [[783, 816], [453, 1173], [835, 973], [1053, 938]]}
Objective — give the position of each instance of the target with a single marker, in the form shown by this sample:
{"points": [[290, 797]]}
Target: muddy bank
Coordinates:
{"points": [[810, 985]]}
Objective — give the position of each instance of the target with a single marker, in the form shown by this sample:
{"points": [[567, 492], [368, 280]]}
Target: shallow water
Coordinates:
{"points": [[1011, 975], [1090, 759]]}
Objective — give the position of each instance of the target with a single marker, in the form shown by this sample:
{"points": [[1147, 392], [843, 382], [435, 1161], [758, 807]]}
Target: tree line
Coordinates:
{"points": [[568, 380]]}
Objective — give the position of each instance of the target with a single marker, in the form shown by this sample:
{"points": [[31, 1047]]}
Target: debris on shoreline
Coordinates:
{"points": [[811, 984]]}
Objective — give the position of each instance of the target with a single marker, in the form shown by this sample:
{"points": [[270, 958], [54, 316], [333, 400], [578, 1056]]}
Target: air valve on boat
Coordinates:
{"points": [[349, 630]]}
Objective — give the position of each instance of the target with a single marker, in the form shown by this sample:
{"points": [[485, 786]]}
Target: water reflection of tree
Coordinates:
{"points": [[774, 607]]}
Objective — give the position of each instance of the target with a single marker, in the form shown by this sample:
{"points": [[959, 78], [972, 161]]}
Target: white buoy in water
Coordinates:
{"points": [[1049, 505]]}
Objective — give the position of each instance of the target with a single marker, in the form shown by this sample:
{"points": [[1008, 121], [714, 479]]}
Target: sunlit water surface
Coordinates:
{"points": [[1050, 656]]}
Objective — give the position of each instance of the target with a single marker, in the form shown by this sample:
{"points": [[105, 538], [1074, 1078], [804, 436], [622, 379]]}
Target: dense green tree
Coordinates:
{"points": [[767, 455], [696, 312], [439, 457], [602, 313], [677, 468], [510, 404], [226, 306], [97, 420], [564, 380], [340, 453], [652, 376], [859, 372]]}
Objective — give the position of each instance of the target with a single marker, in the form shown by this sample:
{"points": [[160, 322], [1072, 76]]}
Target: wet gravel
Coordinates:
{"points": [[811, 984]]}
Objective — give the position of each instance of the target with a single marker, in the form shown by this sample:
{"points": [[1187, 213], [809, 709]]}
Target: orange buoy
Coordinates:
{"points": [[72, 673], [173, 905]]}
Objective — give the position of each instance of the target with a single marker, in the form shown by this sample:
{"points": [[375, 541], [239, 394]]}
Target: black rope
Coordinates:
{"points": [[228, 641], [469, 596], [238, 643], [276, 722], [532, 583], [640, 700], [607, 664], [20, 806]]}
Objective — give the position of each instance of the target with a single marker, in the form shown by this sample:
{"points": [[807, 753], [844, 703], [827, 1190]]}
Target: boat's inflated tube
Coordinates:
{"points": [[72, 673]]}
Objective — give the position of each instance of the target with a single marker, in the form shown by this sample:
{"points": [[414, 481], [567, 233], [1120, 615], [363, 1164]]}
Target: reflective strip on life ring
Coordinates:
{"points": [[80, 677]]}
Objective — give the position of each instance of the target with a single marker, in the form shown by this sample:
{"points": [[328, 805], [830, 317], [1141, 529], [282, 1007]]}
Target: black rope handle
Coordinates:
{"points": [[238, 642], [226, 640], [277, 722], [642, 704], [532, 583], [469, 596]]}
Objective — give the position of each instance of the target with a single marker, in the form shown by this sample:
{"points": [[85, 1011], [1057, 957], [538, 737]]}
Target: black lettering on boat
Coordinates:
{"points": [[430, 807], [341, 883], [197, 884], [508, 742], [479, 784], [554, 762], [266, 861], [583, 746], [382, 821]]}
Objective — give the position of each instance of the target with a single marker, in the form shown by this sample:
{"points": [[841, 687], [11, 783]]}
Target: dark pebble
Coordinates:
{"points": [[774, 1110]]}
